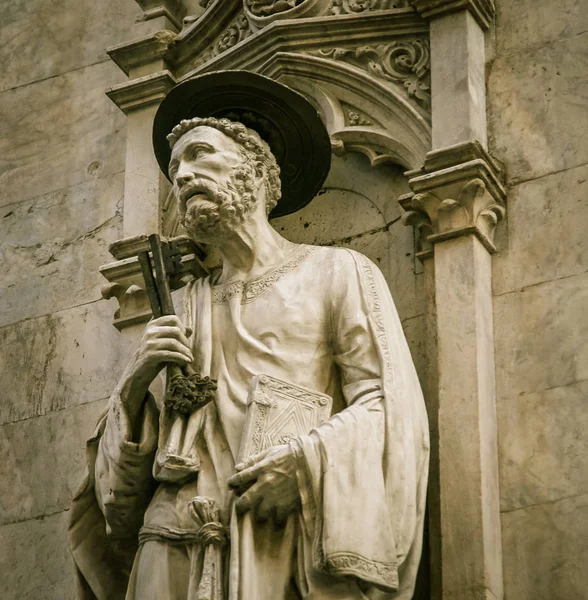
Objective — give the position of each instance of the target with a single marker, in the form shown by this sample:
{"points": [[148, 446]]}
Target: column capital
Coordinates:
{"points": [[482, 10], [457, 192]]}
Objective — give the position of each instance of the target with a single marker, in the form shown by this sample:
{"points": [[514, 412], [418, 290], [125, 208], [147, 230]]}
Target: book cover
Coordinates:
{"points": [[277, 412]]}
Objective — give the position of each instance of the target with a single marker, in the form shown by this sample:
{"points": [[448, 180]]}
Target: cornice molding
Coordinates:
{"points": [[482, 10], [173, 10], [142, 91], [141, 51], [458, 192], [125, 279], [202, 33], [308, 34]]}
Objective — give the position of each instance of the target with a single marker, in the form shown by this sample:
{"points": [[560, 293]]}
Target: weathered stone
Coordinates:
{"points": [[540, 335], [531, 23], [468, 456], [35, 561], [415, 331], [457, 76], [63, 359], [536, 107], [36, 481], [543, 446], [544, 551], [59, 132], [56, 243], [315, 224], [546, 231], [38, 41]]}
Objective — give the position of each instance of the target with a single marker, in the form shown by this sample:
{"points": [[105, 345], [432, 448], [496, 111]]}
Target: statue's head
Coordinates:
{"points": [[221, 172]]}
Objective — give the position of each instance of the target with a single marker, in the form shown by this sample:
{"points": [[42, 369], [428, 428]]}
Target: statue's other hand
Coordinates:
{"points": [[165, 340], [268, 485]]}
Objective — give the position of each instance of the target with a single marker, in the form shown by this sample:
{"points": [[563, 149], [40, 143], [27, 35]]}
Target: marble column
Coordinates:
{"points": [[457, 201]]}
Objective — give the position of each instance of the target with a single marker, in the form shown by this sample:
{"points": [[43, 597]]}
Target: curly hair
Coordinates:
{"points": [[254, 150]]}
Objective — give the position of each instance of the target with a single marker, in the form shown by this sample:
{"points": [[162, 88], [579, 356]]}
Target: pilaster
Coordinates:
{"points": [[456, 202]]}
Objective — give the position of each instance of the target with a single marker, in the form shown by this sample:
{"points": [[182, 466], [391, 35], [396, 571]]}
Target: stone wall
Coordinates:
{"points": [[537, 102], [62, 145]]}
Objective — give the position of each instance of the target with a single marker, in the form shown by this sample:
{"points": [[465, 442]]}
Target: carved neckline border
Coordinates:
{"points": [[251, 290]]}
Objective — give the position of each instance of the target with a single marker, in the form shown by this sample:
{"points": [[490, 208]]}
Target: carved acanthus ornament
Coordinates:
{"points": [[457, 192], [406, 63], [238, 30], [350, 7]]}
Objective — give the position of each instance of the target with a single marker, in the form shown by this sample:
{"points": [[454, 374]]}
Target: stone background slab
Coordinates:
{"points": [[537, 113], [42, 39]]}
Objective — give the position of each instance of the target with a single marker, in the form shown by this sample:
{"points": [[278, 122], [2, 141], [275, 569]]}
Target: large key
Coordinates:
{"points": [[187, 391]]}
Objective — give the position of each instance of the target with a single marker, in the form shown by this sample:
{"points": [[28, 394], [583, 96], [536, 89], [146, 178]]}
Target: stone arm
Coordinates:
{"points": [[126, 451], [123, 470]]}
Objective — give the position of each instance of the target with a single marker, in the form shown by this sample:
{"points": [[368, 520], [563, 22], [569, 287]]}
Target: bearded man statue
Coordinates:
{"points": [[166, 511]]}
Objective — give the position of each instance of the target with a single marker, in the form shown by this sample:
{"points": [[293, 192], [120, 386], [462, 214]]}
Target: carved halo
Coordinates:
{"points": [[285, 119]]}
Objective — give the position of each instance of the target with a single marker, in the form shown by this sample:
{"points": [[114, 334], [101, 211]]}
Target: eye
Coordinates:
{"points": [[196, 152]]}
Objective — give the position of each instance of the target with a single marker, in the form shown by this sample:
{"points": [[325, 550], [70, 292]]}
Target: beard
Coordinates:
{"points": [[214, 209]]}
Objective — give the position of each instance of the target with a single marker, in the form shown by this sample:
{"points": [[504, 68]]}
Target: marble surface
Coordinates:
{"points": [[540, 336], [544, 550], [56, 243], [530, 23], [41, 39], [61, 361], [543, 446], [43, 460], [59, 132], [546, 231], [35, 561], [537, 108]]}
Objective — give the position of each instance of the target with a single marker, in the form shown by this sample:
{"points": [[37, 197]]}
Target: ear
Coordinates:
{"points": [[259, 168]]}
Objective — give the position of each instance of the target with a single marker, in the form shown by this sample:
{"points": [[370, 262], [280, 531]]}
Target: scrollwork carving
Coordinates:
{"points": [[238, 30], [265, 8], [347, 7], [403, 62]]}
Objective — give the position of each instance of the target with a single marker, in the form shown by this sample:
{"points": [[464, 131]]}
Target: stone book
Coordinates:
{"points": [[277, 412]]}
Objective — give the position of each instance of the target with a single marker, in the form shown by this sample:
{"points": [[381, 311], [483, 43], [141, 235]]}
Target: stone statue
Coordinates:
{"points": [[166, 511]]}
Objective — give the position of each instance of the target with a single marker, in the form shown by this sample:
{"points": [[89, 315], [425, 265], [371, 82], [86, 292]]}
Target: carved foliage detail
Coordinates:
{"points": [[404, 62], [265, 8], [355, 117], [474, 210], [346, 7], [238, 30]]}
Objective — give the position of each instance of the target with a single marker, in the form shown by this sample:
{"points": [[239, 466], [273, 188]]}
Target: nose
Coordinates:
{"points": [[183, 177]]}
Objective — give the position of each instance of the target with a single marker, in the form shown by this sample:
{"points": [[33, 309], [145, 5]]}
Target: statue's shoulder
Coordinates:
{"points": [[342, 258]]}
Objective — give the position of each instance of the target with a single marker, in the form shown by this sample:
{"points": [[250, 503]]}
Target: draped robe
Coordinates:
{"points": [[323, 319]]}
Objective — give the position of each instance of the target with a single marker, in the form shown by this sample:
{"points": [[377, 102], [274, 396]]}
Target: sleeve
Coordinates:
{"points": [[341, 480], [123, 469]]}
